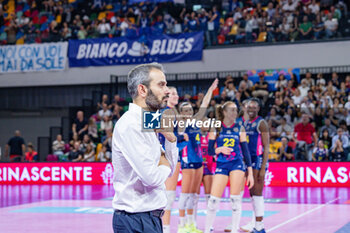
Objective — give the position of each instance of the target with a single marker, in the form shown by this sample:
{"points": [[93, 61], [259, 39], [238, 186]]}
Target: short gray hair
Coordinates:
{"points": [[140, 75]]}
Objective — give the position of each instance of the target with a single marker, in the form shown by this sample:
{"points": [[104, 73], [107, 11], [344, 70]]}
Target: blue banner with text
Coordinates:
{"points": [[123, 51]]}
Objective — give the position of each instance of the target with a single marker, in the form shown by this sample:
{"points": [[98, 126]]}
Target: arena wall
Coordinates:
{"points": [[318, 54]]}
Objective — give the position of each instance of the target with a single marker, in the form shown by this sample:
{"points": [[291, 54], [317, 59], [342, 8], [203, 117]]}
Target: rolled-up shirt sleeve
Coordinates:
{"points": [[138, 152], [171, 153]]}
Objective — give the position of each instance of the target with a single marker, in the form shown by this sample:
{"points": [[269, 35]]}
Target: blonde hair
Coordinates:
{"points": [[220, 113]]}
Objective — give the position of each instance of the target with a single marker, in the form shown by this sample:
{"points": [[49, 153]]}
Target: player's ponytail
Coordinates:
{"points": [[220, 112]]}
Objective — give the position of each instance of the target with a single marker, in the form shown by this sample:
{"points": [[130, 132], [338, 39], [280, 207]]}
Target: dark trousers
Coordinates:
{"points": [[146, 222]]}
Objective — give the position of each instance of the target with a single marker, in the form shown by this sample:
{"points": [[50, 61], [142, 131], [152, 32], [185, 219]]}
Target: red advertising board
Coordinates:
{"points": [[56, 173], [279, 174]]}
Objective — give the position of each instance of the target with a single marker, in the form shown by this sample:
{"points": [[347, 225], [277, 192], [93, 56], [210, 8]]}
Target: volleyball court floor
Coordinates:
{"points": [[87, 208]]}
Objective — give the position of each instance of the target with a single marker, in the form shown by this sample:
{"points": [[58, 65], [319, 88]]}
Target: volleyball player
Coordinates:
{"points": [[208, 169], [231, 146], [240, 120], [171, 182], [191, 162], [258, 141]]}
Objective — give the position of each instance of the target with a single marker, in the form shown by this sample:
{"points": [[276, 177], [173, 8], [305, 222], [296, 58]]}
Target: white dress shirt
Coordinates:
{"points": [[138, 180]]}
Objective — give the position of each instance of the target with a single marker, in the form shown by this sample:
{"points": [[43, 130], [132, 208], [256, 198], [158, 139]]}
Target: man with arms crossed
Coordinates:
{"points": [[141, 166]]}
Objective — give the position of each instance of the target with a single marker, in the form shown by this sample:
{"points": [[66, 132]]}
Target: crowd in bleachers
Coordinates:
{"points": [[308, 119], [235, 21]]}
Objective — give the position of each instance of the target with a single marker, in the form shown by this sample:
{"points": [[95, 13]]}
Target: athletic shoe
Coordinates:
{"points": [[228, 228], [256, 231], [192, 229], [249, 227], [183, 229]]}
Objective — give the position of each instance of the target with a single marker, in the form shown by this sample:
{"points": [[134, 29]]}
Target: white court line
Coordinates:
{"points": [[301, 215]]}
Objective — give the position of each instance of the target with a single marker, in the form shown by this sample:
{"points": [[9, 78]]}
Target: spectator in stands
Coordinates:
{"points": [[104, 112], [339, 141], [318, 27], [31, 154], [261, 88], [320, 152], [273, 149], [230, 90], [17, 148], [273, 116], [213, 26], [290, 116], [107, 140], [337, 153], [75, 138], [244, 91], [297, 98], [305, 29], [58, 146], [330, 128], [118, 101], [284, 28], [327, 140], [332, 117], [80, 125], [82, 33], [66, 32], [11, 31], [92, 129], [248, 83], [320, 80], [307, 106], [273, 30], [106, 124], [104, 100], [331, 26], [284, 129], [343, 125], [304, 88], [103, 28], [89, 154], [285, 151], [308, 80], [318, 118], [75, 155], [117, 113], [281, 83], [305, 137], [290, 6], [104, 155], [85, 143], [314, 7]]}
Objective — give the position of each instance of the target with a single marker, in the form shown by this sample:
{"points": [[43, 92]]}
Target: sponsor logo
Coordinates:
{"points": [[107, 174], [268, 178]]}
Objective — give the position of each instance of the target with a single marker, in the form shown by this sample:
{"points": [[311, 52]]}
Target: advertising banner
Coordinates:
{"points": [[312, 174], [123, 51]]}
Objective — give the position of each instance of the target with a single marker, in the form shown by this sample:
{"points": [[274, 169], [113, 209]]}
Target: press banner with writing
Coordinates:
{"points": [[123, 51], [33, 57]]}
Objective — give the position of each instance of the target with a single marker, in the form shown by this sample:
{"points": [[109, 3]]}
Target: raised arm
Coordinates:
{"points": [[206, 100]]}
